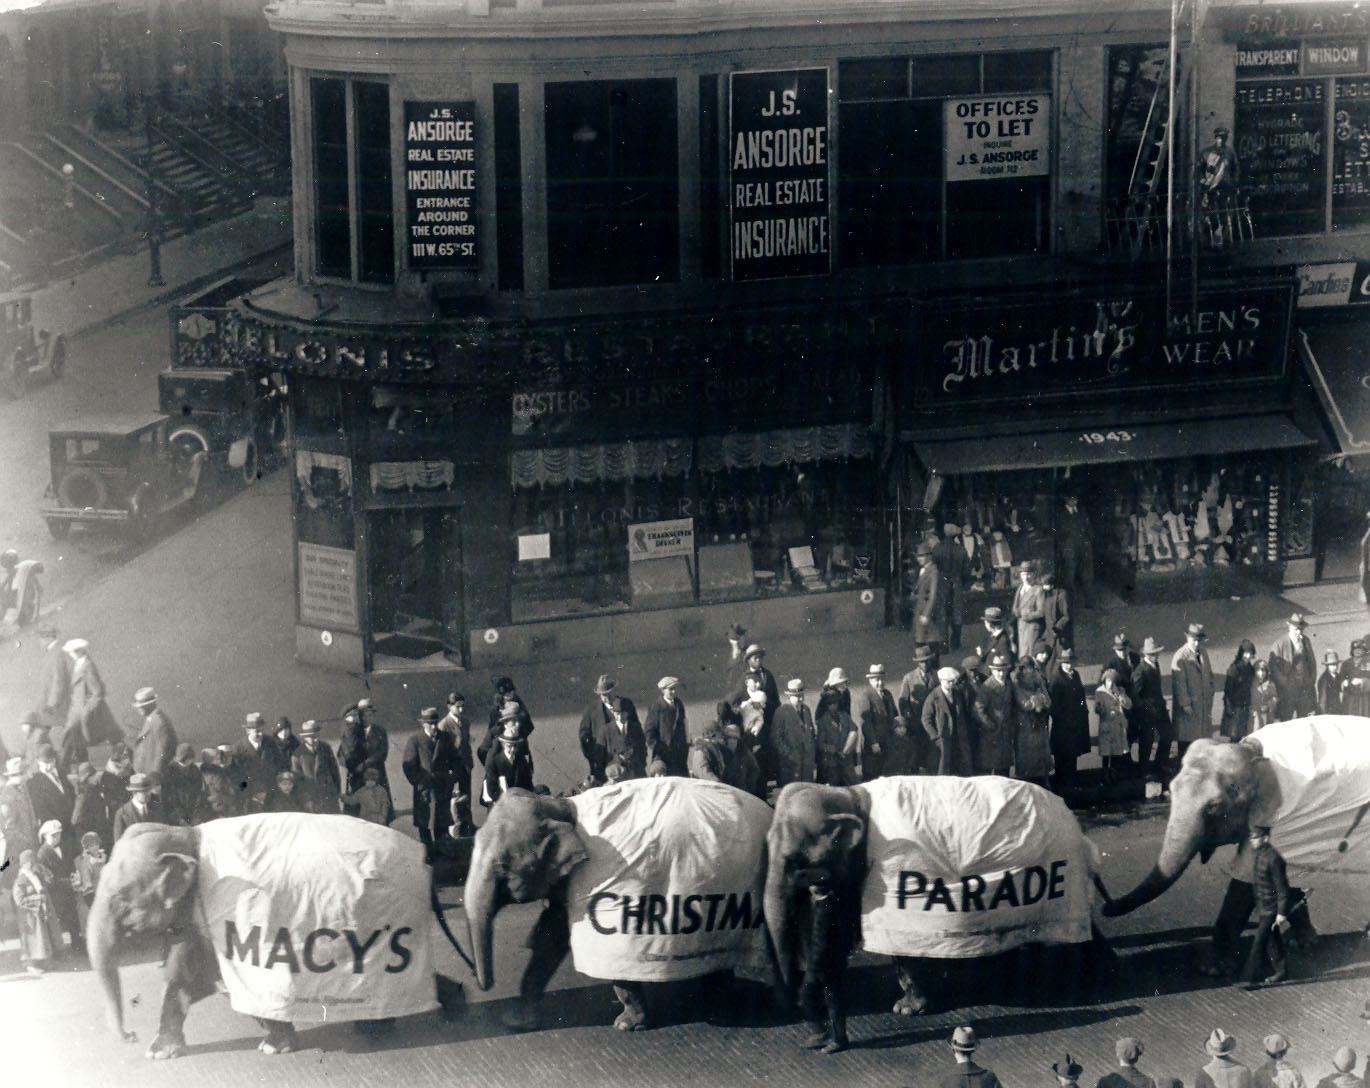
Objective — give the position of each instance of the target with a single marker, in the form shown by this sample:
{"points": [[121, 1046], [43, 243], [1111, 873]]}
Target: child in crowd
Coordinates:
{"points": [[371, 799], [1265, 698], [89, 864]]}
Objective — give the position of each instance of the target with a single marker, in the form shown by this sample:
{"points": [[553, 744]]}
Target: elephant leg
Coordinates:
{"points": [[813, 1007], [280, 1036], [189, 974], [1238, 902], [832, 999], [549, 941], [634, 1014], [913, 1001]]}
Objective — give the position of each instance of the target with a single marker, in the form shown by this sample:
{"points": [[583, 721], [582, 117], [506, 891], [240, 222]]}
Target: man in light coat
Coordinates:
{"points": [[1028, 610], [1191, 689]]}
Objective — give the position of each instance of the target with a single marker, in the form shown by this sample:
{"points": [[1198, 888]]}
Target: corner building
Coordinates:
{"points": [[614, 323]]}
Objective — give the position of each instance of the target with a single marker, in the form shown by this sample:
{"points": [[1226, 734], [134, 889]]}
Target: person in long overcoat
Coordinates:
{"points": [[954, 564], [1355, 676], [1027, 609], [1191, 689], [1112, 703], [837, 736], [610, 727], [40, 934], [992, 637], [182, 784], [1123, 659], [88, 711], [668, 739], [505, 693], [1241, 675], [928, 599], [56, 691], [873, 710], [994, 720], [795, 738], [59, 859], [1153, 719], [257, 759], [1294, 668], [1069, 718], [429, 758], [947, 725], [1058, 626], [317, 769], [365, 743], [53, 797], [1331, 687], [155, 743], [221, 797], [1032, 716]]}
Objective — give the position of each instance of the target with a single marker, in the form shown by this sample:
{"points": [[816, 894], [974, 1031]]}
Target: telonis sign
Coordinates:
{"points": [[1062, 346]]}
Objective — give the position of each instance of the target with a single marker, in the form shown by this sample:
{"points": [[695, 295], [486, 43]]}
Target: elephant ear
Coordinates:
{"points": [[175, 877], [561, 849], [844, 830]]}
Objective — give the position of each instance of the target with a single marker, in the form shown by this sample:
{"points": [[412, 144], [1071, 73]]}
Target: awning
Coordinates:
{"points": [[1080, 446], [1337, 358]]}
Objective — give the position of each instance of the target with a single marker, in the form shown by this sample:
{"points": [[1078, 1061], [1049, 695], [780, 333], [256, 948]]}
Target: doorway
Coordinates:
{"points": [[414, 579]]}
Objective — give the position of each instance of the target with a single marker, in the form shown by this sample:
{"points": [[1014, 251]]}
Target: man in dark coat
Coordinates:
{"points": [[429, 759], [667, 738], [365, 744], [795, 739], [1122, 660], [1294, 669], [954, 564], [993, 637], [752, 666], [929, 601], [316, 767], [946, 723], [88, 711], [505, 693], [182, 783], [58, 856], [1069, 719], [1075, 551], [1153, 719], [873, 710], [457, 725], [53, 797], [610, 727], [916, 686], [1271, 888], [156, 741], [221, 796], [1059, 627], [994, 719], [140, 808], [968, 1074], [256, 759]]}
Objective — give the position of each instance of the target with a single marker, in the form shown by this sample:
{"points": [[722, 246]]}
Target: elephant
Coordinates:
{"points": [[647, 880], [1308, 780], [185, 885], [895, 863]]}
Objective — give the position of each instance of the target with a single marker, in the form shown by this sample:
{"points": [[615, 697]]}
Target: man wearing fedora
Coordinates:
{"points": [[1224, 1071], [1153, 719], [256, 758], [1124, 661], [954, 564], [993, 638], [917, 685], [1027, 608], [610, 727], [1058, 628], [667, 737], [1191, 689], [753, 665], [928, 600], [1294, 668], [56, 687], [317, 769], [794, 738], [1127, 1075], [1277, 1072], [1069, 737], [946, 722], [429, 762], [968, 1074], [1067, 1072], [156, 740], [873, 710], [140, 808], [994, 719], [88, 711]]}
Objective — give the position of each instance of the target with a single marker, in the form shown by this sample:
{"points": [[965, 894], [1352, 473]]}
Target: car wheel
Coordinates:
{"points": [[189, 444], [57, 361], [58, 528], [249, 469]]}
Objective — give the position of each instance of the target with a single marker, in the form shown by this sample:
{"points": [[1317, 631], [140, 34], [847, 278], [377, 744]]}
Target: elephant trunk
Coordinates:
{"points": [[482, 886], [777, 908], [1183, 838], [102, 941]]}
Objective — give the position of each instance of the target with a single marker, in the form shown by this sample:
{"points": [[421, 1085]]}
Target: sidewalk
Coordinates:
{"points": [[99, 294]]}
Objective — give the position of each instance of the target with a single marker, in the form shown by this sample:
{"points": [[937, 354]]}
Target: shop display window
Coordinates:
{"points": [[729, 535]]}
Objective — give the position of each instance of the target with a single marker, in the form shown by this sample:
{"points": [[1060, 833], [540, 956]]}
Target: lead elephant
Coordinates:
{"points": [[1307, 780], [305, 918], [917, 867], [649, 880]]}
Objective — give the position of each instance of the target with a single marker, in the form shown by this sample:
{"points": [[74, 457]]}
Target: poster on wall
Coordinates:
{"points": [[990, 137], [440, 184], [658, 539], [1351, 154], [1280, 137], [778, 178], [328, 587]]}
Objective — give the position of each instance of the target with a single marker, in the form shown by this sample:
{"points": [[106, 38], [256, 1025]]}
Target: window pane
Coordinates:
{"points": [[1136, 87], [889, 182], [1351, 155], [993, 218], [612, 170], [710, 168], [942, 77], [508, 188], [1281, 145], [375, 237], [373, 116], [333, 254], [1006, 72], [875, 78]]}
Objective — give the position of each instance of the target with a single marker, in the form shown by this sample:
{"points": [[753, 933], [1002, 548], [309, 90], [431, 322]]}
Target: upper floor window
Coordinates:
{"points": [[612, 182], [943, 156], [353, 221]]}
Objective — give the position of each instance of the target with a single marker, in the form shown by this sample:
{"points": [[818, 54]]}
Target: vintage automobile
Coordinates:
{"points": [[26, 356], [120, 471], [236, 421]]}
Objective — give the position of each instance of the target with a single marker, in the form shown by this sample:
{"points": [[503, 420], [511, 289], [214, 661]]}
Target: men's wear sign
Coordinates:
{"points": [[440, 183], [998, 136], [317, 918], [779, 175], [658, 539]]}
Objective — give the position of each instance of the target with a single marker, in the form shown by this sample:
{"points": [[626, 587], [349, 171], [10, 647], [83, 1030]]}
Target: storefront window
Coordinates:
{"points": [[943, 157], [353, 222], [612, 181]]}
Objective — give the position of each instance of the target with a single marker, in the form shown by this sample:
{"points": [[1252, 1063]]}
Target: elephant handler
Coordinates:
{"points": [[1272, 901]]}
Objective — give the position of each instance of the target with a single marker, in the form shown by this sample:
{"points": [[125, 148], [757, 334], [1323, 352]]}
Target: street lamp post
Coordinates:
{"points": [[154, 241]]}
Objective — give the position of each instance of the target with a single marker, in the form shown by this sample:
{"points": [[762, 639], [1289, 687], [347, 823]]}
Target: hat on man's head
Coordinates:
{"points": [[836, 675], [1041, 646], [430, 714], [309, 728], [923, 653], [994, 614], [1065, 653], [1120, 640], [140, 783], [875, 670], [509, 712], [255, 720], [946, 672], [998, 660], [1219, 1042], [365, 704], [14, 765], [1297, 620], [1276, 1045], [1067, 1067], [75, 645], [49, 826], [668, 682], [795, 687], [1196, 630], [1221, 130], [1344, 1060], [1128, 1049], [754, 649], [963, 1039], [950, 528], [144, 697], [1330, 658], [605, 684], [924, 550], [1150, 646]]}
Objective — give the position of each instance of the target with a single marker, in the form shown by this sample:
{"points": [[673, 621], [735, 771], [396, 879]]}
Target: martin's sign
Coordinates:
{"points": [[1084, 344]]}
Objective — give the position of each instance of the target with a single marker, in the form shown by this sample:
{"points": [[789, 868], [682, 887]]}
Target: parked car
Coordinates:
{"points": [[26, 356], [120, 471], [236, 421]]}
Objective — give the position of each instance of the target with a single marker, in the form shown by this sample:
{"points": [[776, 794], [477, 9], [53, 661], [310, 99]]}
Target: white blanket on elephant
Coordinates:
{"points": [[971, 867], [673, 885], [317, 918], [1322, 764]]}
